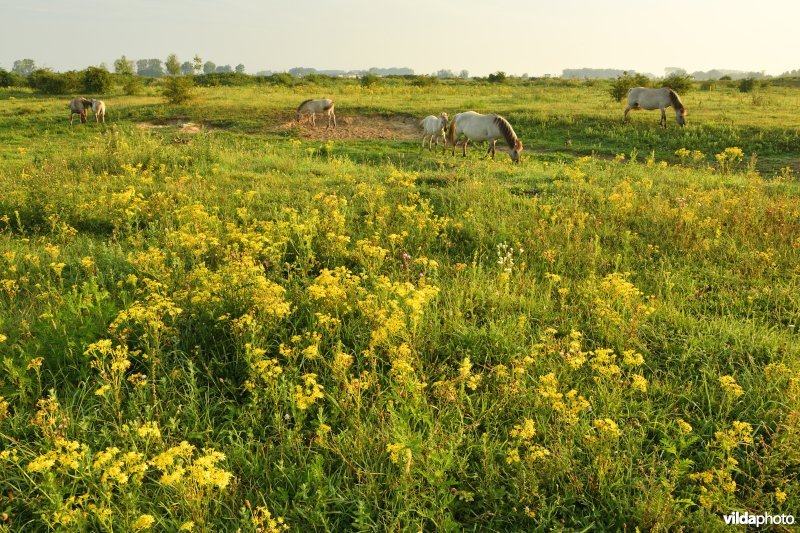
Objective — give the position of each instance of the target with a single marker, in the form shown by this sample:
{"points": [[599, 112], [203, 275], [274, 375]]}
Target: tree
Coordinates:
{"points": [[224, 68], [97, 80], [24, 67], [123, 66], [209, 67], [173, 65], [187, 68], [198, 64], [151, 68], [464, 74], [240, 68]]}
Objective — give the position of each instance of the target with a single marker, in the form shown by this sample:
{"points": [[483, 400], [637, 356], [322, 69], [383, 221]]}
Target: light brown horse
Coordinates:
{"points": [[79, 106]]}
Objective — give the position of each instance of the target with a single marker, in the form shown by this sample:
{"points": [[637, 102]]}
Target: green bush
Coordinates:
{"points": [[49, 82], [708, 85], [97, 80], [131, 84], [282, 78], [368, 80], [11, 79], [224, 79], [680, 83], [621, 86], [497, 77], [178, 89], [747, 85]]}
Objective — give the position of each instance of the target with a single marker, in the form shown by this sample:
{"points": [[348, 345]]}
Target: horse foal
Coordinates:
{"points": [[99, 108], [434, 127]]}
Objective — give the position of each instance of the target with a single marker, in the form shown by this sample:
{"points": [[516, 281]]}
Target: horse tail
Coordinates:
{"points": [[330, 107], [675, 99]]}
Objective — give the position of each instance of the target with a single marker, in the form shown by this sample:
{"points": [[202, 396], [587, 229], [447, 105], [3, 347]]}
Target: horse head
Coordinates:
{"points": [[515, 153], [681, 116]]}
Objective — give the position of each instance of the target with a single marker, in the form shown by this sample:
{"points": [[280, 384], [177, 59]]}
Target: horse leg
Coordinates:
{"points": [[663, 121], [493, 149], [625, 117], [465, 147]]}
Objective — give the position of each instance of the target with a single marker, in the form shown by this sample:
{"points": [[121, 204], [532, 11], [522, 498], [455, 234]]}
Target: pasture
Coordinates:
{"points": [[215, 319]]}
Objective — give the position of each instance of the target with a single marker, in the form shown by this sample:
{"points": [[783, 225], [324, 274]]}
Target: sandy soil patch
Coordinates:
{"points": [[354, 127]]}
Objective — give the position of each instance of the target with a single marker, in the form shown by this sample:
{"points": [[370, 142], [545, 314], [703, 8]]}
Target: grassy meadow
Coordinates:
{"points": [[250, 326]]}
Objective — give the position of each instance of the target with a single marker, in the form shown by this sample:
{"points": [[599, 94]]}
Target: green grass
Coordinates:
{"points": [[494, 347]]}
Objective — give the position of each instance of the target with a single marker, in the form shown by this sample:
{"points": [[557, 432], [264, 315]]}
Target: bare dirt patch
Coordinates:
{"points": [[354, 127], [180, 124]]}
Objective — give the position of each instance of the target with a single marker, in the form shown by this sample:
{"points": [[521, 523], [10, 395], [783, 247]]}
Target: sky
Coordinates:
{"points": [[531, 37]]}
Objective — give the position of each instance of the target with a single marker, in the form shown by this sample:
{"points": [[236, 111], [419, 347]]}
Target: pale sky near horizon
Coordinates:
{"points": [[515, 36]]}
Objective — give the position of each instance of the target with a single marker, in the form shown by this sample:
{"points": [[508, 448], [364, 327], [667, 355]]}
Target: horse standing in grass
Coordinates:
{"points": [[644, 98], [477, 127], [434, 127], [79, 106], [99, 108], [312, 107]]}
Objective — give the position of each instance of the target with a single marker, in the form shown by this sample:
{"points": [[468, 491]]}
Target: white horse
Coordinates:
{"points": [[99, 108], [477, 127], [317, 106], [644, 98], [79, 106], [435, 127]]}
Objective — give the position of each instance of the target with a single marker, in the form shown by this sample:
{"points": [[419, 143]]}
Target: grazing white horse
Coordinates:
{"points": [[99, 108], [312, 107], [477, 127], [435, 127], [644, 98], [79, 106]]}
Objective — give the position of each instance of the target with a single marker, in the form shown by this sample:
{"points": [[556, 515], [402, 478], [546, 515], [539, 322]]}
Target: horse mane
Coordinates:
{"points": [[304, 103], [675, 99], [507, 131]]}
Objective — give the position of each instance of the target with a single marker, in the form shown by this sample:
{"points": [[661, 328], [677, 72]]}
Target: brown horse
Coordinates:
{"points": [[79, 106]]}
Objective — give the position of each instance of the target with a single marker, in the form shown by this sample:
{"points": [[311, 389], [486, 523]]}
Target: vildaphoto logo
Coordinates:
{"points": [[746, 519]]}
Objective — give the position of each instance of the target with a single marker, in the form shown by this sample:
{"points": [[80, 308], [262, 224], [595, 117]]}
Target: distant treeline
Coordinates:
{"points": [[700, 75]]}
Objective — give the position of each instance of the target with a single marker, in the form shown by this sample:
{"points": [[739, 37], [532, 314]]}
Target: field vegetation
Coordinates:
{"points": [[236, 327]]}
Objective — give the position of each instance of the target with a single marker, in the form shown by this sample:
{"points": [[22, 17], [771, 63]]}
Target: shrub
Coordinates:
{"points": [[49, 82], [424, 81], [708, 85], [97, 80], [680, 83], [11, 79], [368, 80], [131, 84], [224, 79], [178, 89], [282, 78], [624, 83], [747, 85], [497, 77]]}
